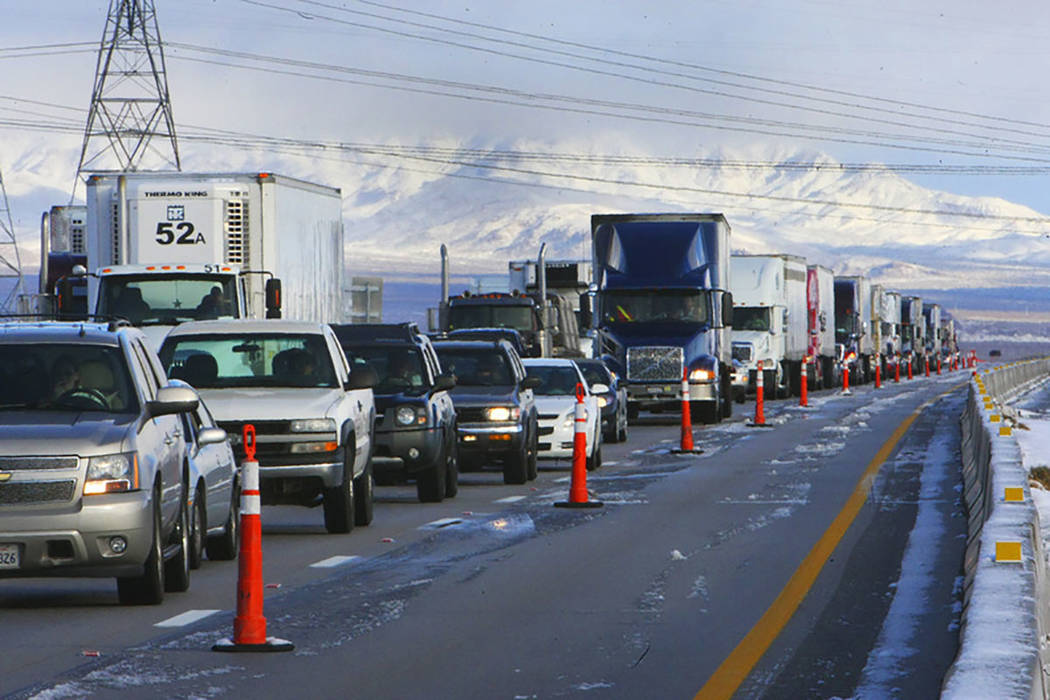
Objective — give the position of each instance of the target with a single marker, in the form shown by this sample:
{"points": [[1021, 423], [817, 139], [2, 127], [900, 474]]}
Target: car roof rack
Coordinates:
{"points": [[377, 332]]}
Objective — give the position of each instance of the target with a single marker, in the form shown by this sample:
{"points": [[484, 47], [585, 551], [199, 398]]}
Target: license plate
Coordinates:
{"points": [[654, 389], [9, 556]]}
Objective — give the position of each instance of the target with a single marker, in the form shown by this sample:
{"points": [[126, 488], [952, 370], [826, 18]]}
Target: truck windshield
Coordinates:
{"points": [[73, 377], [751, 318], [249, 360], [167, 299], [520, 318], [655, 305]]}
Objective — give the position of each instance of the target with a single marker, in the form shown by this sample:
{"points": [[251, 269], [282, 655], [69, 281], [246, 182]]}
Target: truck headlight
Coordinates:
{"points": [[410, 415], [702, 375], [313, 425], [502, 413], [112, 473]]}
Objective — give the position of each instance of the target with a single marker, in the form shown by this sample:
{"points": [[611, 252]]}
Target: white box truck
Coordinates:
{"points": [[163, 248], [852, 326], [913, 325], [769, 318], [820, 312], [932, 312]]}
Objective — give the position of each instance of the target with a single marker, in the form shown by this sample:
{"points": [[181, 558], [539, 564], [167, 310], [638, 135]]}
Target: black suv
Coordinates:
{"points": [[415, 419], [495, 408]]}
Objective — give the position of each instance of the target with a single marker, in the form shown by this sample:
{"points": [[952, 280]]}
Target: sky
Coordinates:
{"points": [[948, 85]]}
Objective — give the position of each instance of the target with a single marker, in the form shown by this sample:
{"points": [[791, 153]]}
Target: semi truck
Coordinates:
{"points": [[892, 336], [569, 280], [912, 326], [852, 318], [770, 320], [932, 314], [820, 315], [664, 308], [62, 248], [163, 248]]}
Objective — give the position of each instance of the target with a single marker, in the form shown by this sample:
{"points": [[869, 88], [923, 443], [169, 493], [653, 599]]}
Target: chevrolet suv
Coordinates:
{"points": [[313, 419], [415, 418], [93, 465], [495, 409]]}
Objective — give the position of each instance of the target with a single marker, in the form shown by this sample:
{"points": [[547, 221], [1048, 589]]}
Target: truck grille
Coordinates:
{"points": [[8, 464], [654, 364], [470, 415], [24, 492], [743, 352]]}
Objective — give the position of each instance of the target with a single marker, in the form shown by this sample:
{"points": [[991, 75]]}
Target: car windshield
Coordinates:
{"points": [[399, 369], [594, 373], [488, 367], [751, 318], [249, 360], [520, 317], [166, 299], [555, 380], [655, 305], [70, 377]]}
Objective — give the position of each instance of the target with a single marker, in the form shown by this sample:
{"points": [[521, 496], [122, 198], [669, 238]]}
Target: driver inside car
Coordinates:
{"points": [[66, 377]]}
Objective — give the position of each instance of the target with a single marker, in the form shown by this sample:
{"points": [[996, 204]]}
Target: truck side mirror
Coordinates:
{"points": [[273, 298], [64, 305], [727, 309], [586, 314]]}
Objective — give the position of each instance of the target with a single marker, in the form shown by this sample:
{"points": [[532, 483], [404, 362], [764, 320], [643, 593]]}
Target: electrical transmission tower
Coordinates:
{"points": [[10, 263], [130, 104]]}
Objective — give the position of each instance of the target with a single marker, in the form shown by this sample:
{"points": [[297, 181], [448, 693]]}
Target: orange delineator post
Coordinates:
{"points": [[897, 371], [249, 626], [927, 359], [687, 419], [878, 371], [803, 395], [845, 377], [938, 364], [909, 368], [578, 483], [760, 411]]}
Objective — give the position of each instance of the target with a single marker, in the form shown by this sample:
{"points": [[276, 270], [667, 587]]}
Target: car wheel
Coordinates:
{"points": [[364, 496], [516, 468], [147, 589], [198, 526], [339, 500], [430, 483], [224, 547], [177, 569], [594, 462], [452, 472]]}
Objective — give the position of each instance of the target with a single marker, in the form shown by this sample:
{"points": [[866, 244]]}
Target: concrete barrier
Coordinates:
{"points": [[1006, 604]]}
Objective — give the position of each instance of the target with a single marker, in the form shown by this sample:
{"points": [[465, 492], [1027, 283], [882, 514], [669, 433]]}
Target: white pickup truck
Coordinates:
{"points": [[314, 420]]}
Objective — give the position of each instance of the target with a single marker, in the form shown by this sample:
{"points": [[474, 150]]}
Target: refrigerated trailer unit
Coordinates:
{"points": [[820, 315]]}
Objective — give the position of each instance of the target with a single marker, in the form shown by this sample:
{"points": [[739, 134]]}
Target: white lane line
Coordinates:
{"points": [[510, 499], [186, 618], [333, 561]]}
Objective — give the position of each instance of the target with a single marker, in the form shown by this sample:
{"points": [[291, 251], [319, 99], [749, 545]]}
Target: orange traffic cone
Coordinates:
{"points": [[249, 627], [803, 394], [687, 420], [760, 400], [578, 485]]}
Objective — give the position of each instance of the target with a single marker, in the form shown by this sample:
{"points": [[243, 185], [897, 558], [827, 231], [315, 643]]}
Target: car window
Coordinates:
{"points": [[250, 360], [151, 384], [481, 367], [71, 377], [595, 373], [555, 380], [399, 368]]}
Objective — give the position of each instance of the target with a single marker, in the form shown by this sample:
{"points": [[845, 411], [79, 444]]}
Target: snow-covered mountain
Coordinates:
{"points": [[399, 210]]}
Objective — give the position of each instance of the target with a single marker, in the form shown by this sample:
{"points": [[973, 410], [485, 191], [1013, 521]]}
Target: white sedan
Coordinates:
{"points": [[556, 403]]}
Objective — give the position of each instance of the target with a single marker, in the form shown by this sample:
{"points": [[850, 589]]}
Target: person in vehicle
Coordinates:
{"points": [[212, 304], [65, 376], [131, 305]]}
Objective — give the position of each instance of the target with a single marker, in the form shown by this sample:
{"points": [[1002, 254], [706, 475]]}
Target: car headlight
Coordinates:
{"points": [[571, 419], [603, 401], [410, 415], [300, 448], [702, 375], [112, 473], [313, 425], [502, 413]]}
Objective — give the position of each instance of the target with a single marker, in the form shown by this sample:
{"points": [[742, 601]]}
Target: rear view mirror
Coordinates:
{"points": [[211, 436], [443, 382], [363, 377], [531, 382], [600, 388], [173, 399]]}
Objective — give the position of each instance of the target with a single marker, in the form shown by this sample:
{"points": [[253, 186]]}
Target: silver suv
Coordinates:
{"points": [[93, 461]]}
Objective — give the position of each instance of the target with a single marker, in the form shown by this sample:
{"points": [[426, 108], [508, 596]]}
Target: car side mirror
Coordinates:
{"points": [[531, 382], [173, 399], [443, 382], [363, 377], [212, 436], [600, 389]]}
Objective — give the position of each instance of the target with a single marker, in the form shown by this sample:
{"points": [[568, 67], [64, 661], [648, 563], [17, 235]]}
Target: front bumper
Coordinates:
{"points": [[59, 542], [663, 392], [490, 440], [556, 440], [410, 449]]}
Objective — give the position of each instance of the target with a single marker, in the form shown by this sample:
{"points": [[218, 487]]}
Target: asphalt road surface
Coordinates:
{"points": [[807, 559]]}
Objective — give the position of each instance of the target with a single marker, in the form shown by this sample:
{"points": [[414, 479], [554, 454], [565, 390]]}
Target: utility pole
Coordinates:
{"points": [[130, 123], [10, 262]]}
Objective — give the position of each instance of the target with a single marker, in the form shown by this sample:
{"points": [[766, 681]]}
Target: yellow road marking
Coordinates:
{"points": [[736, 667]]}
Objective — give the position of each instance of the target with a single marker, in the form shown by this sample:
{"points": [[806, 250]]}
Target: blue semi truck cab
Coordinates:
{"points": [[663, 308]]}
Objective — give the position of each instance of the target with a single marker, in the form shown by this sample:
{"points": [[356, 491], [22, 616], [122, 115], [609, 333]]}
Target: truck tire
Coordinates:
{"points": [[364, 496], [147, 589], [224, 547], [339, 501], [177, 569], [726, 396], [632, 411]]}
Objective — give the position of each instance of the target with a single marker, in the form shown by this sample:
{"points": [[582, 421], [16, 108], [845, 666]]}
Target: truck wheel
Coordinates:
{"points": [[632, 411], [516, 468], [177, 569], [147, 589], [339, 501], [364, 496], [705, 412], [430, 483], [726, 397], [224, 547], [452, 472], [198, 526]]}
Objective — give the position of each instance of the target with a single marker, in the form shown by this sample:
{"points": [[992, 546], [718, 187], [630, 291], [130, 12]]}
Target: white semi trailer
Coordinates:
{"points": [[820, 301], [769, 318], [163, 248]]}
